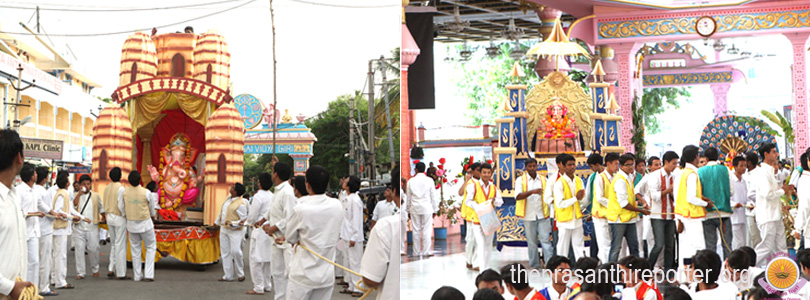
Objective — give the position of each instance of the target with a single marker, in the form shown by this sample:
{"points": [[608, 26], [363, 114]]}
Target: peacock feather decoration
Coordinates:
{"points": [[735, 135]]}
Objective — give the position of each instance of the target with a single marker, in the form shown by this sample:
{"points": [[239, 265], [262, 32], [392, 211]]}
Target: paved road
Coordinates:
{"points": [[173, 280]]}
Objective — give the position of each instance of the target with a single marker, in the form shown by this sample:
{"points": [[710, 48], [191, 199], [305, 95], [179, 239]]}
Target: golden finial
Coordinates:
{"points": [[404, 4], [612, 105], [598, 70], [516, 71]]}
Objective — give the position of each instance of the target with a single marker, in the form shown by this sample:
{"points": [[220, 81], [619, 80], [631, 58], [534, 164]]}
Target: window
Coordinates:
{"points": [[221, 169], [102, 165], [133, 73], [178, 65], [208, 73]]}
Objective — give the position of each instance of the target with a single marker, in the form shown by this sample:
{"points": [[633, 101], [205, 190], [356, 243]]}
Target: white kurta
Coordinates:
{"points": [[281, 208], [352, 231], [315, 223], [380, 261], [483, 243], [230, 240], [384, 209], [570, 232], [86, 235], [802, 222], [260, 243], [12, 240], [768, 213], [141, 231]]}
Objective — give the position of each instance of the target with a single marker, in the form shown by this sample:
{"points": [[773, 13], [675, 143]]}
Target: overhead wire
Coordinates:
{"points": [[118, 9], [345, 6], [136, 30]]}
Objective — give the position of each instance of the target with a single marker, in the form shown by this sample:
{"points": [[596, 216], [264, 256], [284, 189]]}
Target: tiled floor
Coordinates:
{"points": [[421, 277]]}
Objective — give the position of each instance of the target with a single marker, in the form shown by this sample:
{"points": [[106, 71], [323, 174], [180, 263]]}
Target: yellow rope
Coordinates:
{"points": [[28, 293], [366, 291]]}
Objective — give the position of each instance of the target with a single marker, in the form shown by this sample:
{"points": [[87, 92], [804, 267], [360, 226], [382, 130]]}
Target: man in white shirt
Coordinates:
{"points": [[385, 207], [623, 212], [569, 192], [138, 207], [277, 217], [535, 212], [478, 194], [12, 222], [753, 238], [231, 221], [61, 230], [739, 198], [315, 223], [423, 206], [117, 225], [473, 173], [599, 202], [801, 224], [32, 209], [46, 233], [769, 205], [380, 264], [260, 242], [86, 234], [690, 205], [662, 218], [351, 234]]}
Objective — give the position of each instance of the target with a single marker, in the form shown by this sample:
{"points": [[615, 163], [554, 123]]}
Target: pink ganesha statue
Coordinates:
{"points": [[177, 178], [557, 124]]}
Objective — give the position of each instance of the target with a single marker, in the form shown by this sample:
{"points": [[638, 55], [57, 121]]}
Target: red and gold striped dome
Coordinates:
{"points": [[138, 59], [112, 145], [212, 61], [224, 156]]}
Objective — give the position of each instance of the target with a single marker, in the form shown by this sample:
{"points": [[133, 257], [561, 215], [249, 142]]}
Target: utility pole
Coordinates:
{"points": [[387, 113], [371, 140], [16, 104], [275, 95], [352, 145], [37, 19]]}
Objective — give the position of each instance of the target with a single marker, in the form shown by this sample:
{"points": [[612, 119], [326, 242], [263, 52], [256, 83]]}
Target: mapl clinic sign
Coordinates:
{"points": [[45, 149]]}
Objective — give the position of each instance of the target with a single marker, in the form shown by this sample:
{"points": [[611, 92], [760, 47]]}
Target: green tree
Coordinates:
{"points": [[655, 101], [331, 127], [482, 81], [255, 164]]}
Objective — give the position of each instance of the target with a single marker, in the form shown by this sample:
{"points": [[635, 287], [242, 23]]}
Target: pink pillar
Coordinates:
{"points": [[625, 55], [720, 103], [408, 54], [799, 74]]}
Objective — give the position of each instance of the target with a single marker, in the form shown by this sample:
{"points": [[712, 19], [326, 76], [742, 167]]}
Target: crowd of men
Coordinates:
{"points": [[292, 226], [676, 212]]}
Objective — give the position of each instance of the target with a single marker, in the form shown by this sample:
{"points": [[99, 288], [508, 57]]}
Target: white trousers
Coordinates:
{"points": [[260, 274], [738, 232], [150, 244], [422, 234], [60, 260], [753, 232], [299, 292], [640, 233], [118, 250], [602, 230], [279, 260], [33, 261], [230, 247], [86, 240], [352, 257], [568, 236], [691, 240], [403, 227], [469, 249], [339, 260], [102, 234], [773, 241], [483, 244], [45, 262]]}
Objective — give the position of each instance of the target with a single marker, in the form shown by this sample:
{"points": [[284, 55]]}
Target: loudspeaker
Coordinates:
{"points": [[421, 89]]}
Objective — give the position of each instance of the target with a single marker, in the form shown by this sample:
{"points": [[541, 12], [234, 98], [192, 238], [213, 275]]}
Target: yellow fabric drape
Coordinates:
{"points": [[147, 108], [204, 251]]}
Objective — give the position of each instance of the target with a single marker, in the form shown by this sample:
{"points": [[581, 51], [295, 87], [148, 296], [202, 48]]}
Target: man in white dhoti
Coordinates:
{"points": [[277, 216], [315, 223], [117, 225], [260, 242], [12, 223], [86, 234], [45, 234], [138, 207], [423, 206], [351, 235], [62, 228], [769, 204], [231, 222]]}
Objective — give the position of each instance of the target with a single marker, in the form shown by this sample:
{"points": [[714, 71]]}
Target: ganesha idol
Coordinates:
{"points": [[558, 132], [177, 178]]}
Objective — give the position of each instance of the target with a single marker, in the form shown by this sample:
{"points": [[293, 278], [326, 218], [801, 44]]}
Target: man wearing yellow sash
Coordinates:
{"points": [[480, 193], [232, 218], [534, 211], [622, 212], [473, 174], [569, 191], [598, 190], [62, 228], [690, 205]]}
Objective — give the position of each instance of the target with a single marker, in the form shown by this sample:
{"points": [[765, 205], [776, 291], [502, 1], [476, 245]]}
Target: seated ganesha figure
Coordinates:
{"points": [[557, 123], [177, 177]]}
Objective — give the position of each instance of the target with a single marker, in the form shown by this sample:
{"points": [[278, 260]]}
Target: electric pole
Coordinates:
{"points": [[387, 112], [351, 137], [371, 139]]}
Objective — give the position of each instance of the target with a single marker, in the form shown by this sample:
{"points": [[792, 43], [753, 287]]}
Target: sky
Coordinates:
{"points": [[768, 87], [322, 52]]}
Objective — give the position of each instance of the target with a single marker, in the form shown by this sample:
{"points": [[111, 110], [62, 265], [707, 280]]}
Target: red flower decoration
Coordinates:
{"points": [[441, 167], [489, 161], [416, 161], [442, 160], [445, 180]]}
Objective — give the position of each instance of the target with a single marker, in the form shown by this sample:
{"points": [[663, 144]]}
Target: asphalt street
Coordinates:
{"points": [[173, 280]]}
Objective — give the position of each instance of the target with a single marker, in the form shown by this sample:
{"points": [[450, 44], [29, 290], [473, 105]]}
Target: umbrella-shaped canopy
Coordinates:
{"points": [[558, 44]]}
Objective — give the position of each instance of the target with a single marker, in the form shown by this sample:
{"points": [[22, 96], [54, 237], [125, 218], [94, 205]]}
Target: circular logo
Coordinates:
{"points": [[782, 273]]}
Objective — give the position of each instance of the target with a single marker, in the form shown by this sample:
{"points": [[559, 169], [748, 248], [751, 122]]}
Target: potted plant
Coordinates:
{"points": [[447, 203]]}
